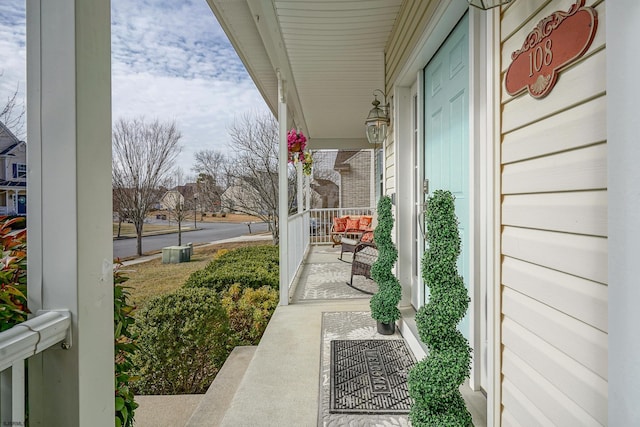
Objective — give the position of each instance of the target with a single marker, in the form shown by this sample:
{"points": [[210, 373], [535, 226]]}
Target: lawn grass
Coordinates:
{"points": [[153, 278]]}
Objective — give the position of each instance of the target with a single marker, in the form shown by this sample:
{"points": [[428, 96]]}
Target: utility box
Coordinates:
{"points": [[176, 254]]}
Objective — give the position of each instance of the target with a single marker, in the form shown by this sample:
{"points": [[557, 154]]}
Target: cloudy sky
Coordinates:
{"points": [[170, 60]]}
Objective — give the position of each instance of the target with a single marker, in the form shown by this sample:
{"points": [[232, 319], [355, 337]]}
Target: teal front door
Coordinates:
{"points": [[446, 145]]}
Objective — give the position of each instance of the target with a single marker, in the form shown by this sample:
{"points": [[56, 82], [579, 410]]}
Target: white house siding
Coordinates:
{"points": [[554, 236]]}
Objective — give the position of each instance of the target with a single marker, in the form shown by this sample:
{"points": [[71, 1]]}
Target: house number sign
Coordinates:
{"points": [[555, 43]]}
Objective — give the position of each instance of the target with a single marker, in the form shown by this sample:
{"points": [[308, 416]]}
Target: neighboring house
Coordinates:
{"points": [[253, 196], [342, 179], [180, 195], [355, 172], [239, 198], [13, 173], [327, 194]]}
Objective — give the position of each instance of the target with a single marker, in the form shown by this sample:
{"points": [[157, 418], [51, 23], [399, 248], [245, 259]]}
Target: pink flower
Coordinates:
{"points": [[296, 141]]}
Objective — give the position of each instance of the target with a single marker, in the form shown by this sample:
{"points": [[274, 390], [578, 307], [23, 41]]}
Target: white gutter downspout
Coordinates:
{"points": [[283, 196]]}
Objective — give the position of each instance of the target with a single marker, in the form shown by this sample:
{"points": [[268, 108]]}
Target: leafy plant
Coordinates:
{"points": [[13, 272], [384, 304], [434, 382], [249, 311], [251, 267], [183, 340], [125, 348]]}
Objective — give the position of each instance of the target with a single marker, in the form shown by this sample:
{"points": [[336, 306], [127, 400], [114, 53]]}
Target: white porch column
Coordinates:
{"points": [[300, 188], [623, 127], [307, 190], [70, 247], [283, 196]]}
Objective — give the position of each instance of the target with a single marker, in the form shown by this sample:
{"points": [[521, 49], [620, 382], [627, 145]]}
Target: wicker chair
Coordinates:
{"points": [[364, 256], [364, 238]]}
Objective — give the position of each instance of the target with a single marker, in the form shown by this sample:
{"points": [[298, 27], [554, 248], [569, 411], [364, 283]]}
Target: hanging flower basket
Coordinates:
{"points": [[296, 143], [307, 163]]}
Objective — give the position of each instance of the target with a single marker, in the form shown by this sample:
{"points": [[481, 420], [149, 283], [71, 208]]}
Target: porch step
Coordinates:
{"points": [[215, 402], [165, 411]]}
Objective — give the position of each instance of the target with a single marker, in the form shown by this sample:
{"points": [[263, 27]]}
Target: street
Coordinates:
{"points": [[207, 232]]}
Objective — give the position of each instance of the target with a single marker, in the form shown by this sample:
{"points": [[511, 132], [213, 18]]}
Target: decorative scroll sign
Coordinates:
{"points": [[555, 43]]}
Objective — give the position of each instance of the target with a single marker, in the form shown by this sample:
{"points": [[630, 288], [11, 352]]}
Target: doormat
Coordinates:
{"points": [[370, 377]]}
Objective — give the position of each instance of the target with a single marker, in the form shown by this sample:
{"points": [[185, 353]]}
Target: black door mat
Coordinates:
{"points": [[370, 377]]}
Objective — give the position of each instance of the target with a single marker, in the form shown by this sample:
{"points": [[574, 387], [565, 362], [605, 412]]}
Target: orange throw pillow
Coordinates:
{"points": [[365, 222], [339, 224], [353, 224], [367, 237]]}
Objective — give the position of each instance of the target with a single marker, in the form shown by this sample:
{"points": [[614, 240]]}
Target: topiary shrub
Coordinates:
{"points": [[183, 340], [384, 304], [249, 311], [124, 348], [251, 267], [434, 382]]}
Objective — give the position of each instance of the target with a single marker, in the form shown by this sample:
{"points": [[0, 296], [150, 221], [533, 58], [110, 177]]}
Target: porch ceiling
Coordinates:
{"points": [[329, 52]]}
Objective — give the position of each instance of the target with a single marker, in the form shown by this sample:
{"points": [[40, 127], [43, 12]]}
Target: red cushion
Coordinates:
{"points": [[339, 224], [367, 237], [365, 222], [353, 224]]}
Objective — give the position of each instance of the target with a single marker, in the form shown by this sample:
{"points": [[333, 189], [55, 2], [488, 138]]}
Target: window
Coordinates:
{"points": [[19, 170]]}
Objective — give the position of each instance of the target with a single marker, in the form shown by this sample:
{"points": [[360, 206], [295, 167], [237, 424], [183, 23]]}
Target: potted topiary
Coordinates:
{"points": [[384, 303], [434, 382]]}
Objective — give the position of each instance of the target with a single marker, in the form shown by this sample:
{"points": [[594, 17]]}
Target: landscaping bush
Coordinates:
{"points": [[124, 348], [183, 339], [13, 272], [251, 267], [434, 382], [249, 311]]}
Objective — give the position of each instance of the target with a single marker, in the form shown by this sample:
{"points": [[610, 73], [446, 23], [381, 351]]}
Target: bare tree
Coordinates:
{"points": [[253, 170], [12, 113], [143, 154], [179, 199], [212, 178]]}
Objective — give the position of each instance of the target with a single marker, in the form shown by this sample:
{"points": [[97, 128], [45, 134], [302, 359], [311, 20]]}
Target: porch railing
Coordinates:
{"points": [[19, 343], [321, 220], [298, 242]]}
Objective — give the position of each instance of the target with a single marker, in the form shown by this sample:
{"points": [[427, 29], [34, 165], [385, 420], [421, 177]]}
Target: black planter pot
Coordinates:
{"points": [[386, 328]]}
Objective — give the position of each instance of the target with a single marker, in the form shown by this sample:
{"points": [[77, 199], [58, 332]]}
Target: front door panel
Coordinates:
{"points": [[447, 132]]}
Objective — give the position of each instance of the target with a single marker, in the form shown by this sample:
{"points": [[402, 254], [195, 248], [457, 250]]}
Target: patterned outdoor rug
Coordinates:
{"points": [[329, 281], [350, 325], [370, 376]]}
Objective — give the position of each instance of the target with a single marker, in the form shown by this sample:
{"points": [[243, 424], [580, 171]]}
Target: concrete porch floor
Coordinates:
{"points": [[281, 384]]}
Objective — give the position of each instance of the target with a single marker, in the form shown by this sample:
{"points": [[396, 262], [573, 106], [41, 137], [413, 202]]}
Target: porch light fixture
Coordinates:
{"points": [[378, 120], [488, 4]]}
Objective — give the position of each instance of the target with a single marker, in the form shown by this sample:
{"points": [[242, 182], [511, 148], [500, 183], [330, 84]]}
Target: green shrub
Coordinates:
{"points": [[384, 304], [251, 267], [184, 338], [249, 311], [125, 348], [434, 382], [13, 272]]}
